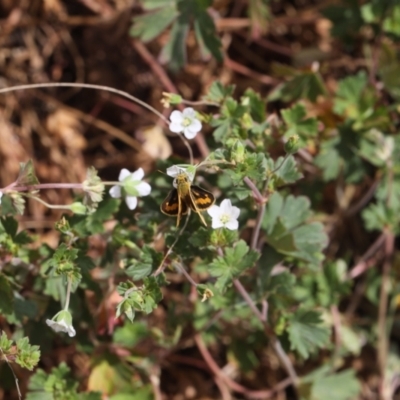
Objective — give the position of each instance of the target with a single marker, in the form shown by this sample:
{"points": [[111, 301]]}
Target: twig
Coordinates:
{"points": [[382, 347], [169, 251], [361, 265], [253, 394], [14, 375], [85, 86]]}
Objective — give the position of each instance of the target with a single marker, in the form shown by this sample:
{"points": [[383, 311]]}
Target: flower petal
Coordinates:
{"points": [[195, 125], [226, 206], [188, 112], [71, 331], [115, 192], [176, 127], [216, 223], [189, 134], [235, 212], [143, 188], [131, 202], [174, 171], [214, 211], [1, 195], [176, 117], [233, 224], [123, 174], [137, 175]]}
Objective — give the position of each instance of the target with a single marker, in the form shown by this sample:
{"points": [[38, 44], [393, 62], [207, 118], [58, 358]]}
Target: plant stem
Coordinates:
{"points": [[382, 347], [68, 295]]}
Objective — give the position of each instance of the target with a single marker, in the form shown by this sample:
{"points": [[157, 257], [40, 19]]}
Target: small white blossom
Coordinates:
{"points": [[225, 215], [175, 170], [62, 322], [132, 185], [1, 195], [185, 122]]}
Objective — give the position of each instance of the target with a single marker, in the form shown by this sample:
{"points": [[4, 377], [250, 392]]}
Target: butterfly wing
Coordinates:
{"points": [[172, 204], [200, 199]]}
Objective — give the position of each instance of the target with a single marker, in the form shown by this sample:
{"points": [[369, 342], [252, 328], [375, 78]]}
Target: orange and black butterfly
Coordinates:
{"points": [[184, 196]]}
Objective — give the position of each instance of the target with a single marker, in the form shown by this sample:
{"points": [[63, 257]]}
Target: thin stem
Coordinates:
{"points": [[52, 206], [182, 269], [41, 186], [68, 295], [257, 195], [12, 371], [243, 292], [382, 312], [200, 103], [99, 87], [160, 268], [85, 86], [256, 231]]}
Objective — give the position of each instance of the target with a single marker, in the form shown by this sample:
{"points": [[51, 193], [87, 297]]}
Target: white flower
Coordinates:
{"points": [[185, 122], [1, 195], [132, 185], [224, 215], [175, 170], [62, 322]]}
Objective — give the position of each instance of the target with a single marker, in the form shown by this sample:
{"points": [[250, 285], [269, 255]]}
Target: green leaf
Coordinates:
{"points": [[256, 105], [218, 92], [174, 52], [150, 25], [307, 85], [206, 35], [26, 176], [349, 96], [287, 230], [6, 296], [297, 124], [379, 216], [130, 335], [283, 171], [10, 225], [234, 262], [343, 385], [306, 332], [148, 262]]}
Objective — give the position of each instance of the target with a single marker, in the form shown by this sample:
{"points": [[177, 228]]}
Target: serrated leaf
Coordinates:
{"points": [[150, 25], [340, 386], [206, 35], [218, 92], [307, 85], [235, 261], [283, 171], [306, 332], [6, 296], [26, 176], [349, 95], [149, 261], [297, 124], [10, 225], [287, 230], [174, 52]]}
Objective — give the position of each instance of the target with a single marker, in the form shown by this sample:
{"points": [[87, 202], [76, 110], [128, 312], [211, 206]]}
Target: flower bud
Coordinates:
{"points": [[78, 208], [293, 144]]}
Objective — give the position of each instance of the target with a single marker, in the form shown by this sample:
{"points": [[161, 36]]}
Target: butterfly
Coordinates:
{"points": [[185, 196]]}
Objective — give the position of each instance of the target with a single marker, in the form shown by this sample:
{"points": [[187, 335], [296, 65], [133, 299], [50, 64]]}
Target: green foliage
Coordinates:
{"points": [[179, 13], [306, 332], [144, 298], [232, 264], [323, 384], [285, 223], [57, 385], [297, 124], [19, 352]]}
